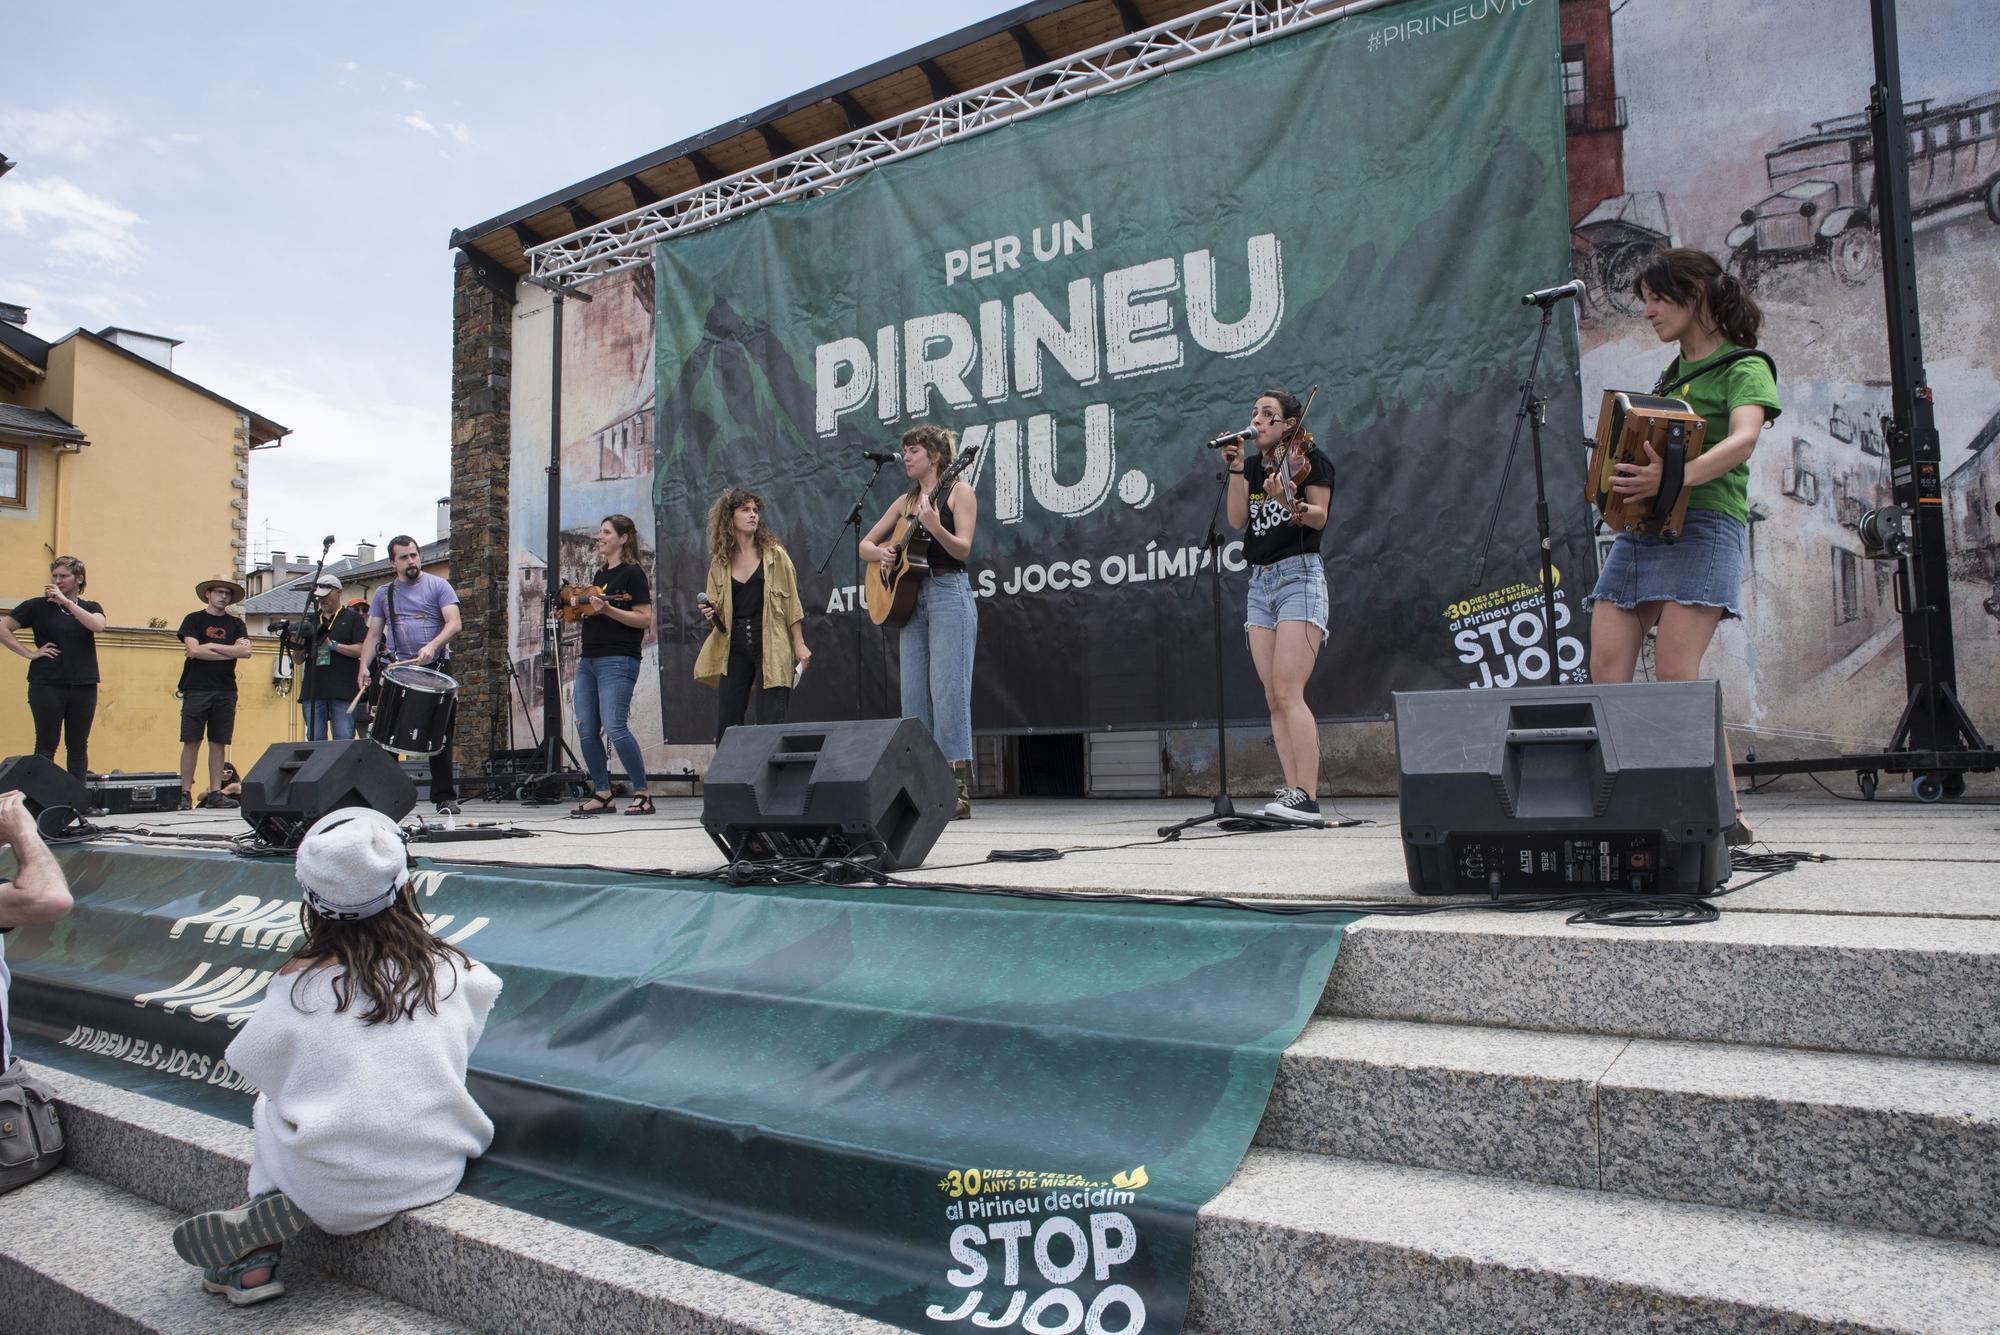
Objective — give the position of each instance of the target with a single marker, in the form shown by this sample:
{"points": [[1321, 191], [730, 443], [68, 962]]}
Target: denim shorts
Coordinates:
{"points": [[1291, 589], [1703, 568]]}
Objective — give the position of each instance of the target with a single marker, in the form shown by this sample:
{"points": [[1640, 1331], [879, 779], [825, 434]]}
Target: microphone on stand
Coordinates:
{"points": [[1232, 438], [878, 456], [328, 544], [1549, 296]]}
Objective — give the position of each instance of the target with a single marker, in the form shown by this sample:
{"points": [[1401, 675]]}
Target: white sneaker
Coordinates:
{"points": [[1295, 805]]}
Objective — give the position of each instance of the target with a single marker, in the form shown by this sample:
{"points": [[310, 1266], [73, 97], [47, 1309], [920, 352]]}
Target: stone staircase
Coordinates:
{"points": [[1776, 1122]]}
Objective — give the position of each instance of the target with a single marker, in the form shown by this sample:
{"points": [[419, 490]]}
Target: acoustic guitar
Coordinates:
{"points": [[892, 593]]}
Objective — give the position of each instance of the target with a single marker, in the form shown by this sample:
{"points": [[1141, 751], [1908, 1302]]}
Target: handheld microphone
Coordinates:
{"points": [[878, 456], [1549, 296], [1232, 438], [703, 600]]}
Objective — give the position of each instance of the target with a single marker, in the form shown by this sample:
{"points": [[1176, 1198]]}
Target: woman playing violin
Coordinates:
{"points": [[1280, 496]]}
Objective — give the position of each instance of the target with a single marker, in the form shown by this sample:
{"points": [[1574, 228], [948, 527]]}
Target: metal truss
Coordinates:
{"points": [[626, 241]]}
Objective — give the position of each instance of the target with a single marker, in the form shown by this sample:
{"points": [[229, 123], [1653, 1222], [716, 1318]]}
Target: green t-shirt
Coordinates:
{"points": [[1713, 397]]}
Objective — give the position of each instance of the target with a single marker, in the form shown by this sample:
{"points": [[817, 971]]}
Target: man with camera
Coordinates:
{"points": [[214, 640], [328, 649], [30, 1136]]}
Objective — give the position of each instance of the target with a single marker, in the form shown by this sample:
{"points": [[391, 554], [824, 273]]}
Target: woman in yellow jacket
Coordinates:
{"points": [[757, 636]]}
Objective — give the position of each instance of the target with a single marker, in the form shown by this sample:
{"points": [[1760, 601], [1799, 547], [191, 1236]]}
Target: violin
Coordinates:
{"points": [[1290, 465], [573, 600]]}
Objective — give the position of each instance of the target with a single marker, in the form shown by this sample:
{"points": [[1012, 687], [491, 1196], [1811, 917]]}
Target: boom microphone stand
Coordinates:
{"points": [[853, 521]]}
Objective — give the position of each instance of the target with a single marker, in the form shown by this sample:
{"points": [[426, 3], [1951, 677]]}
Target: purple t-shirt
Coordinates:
{"points": [[419, 614]]}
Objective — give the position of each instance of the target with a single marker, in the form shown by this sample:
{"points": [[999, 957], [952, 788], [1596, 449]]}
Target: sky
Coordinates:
{"points": [[277, 186]]}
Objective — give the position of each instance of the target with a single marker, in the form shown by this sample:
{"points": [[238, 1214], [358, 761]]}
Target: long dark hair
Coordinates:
{"points": [[1288, 404], [1694, 279], [939, 443], [628, 537], [391, 959]]}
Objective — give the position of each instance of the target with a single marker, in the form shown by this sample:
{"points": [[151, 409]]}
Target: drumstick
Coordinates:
{"points": [[355, 703]]}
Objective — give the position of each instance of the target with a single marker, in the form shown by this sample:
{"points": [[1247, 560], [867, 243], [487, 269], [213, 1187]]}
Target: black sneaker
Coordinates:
{"points": [[449, 807], [187, 801], [1295, 806]]}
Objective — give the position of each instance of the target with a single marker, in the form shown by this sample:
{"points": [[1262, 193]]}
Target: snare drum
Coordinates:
{"points": [[413, 709]]}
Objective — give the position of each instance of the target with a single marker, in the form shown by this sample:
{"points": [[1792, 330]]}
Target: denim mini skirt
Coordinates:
{"points": [[1702, 568]]}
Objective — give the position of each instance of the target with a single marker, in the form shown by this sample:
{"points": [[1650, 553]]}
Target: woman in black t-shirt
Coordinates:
{"points": [[613, 635], [62, 667], [1287, 610]]}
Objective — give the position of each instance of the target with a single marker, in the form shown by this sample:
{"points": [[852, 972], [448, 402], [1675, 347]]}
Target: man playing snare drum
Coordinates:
{"points": [[414, 618]]}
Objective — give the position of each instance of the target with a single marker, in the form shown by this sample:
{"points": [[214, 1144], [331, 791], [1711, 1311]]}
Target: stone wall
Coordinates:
{"points": [[481, 363]]}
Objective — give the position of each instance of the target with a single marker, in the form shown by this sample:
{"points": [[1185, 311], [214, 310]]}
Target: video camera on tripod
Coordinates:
{"points": [[296, 634]]}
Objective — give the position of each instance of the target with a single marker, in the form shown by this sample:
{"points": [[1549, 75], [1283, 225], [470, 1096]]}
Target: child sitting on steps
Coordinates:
{"points": [[359, 1049]]}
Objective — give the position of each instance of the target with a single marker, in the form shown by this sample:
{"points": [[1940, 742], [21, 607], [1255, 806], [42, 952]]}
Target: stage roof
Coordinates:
{"points": [[1006, 44]]}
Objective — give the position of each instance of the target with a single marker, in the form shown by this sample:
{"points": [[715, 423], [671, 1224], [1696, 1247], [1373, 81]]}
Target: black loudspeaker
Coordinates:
{"points": [[44, 784], [295, 783], [1564, 788], [877, 789]]}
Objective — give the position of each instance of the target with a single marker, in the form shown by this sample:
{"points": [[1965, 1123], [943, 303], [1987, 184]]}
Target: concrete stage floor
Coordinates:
{"points": [[1892, 857]]}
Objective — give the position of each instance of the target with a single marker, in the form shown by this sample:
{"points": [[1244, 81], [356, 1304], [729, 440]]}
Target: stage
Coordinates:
{"points": [[1890, 857]]}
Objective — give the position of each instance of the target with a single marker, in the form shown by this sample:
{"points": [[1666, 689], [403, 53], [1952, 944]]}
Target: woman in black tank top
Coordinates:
{"points": [[937, 642]]}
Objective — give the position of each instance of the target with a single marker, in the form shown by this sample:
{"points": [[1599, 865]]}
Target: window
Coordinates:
{"points": [[1572, 57], [1846, 586], [13, 475]]}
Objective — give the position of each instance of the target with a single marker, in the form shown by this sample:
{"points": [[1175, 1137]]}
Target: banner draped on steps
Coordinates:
{"points": [[1091, 294], [919, 1105]]}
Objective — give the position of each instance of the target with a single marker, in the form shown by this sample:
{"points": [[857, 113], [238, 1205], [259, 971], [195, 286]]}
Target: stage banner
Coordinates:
{"points": [[1089, 296], [948, 1111]]}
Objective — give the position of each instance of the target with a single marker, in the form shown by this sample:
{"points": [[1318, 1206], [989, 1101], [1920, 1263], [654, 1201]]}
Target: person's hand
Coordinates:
{"points": [[46, 651], [597, 602], [927, 514], [801, 654], [15, 822], [54, 594], [889, 562], [1636, 482], [425, 655], [1232, 454], [361, 677], [707, 612]]}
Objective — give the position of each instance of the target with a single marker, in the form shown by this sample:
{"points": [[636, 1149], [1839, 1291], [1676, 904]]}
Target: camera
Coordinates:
{"points": [[295, 633], [1885, 533]]}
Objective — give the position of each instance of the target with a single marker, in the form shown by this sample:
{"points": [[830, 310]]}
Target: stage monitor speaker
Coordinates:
{"points": [[863, 788], [1546, 789], [43, 784], [293, 784]]}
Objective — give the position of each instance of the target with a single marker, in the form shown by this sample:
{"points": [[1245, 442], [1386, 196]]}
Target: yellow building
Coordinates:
{"points": [[109, 456]]}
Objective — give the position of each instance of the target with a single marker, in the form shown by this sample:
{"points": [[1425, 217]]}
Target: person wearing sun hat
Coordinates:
{"points": [[214, 640], [359, 1051]]}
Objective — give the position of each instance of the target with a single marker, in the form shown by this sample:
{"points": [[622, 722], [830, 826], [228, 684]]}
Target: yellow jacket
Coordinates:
{"points": [[782, 611]]}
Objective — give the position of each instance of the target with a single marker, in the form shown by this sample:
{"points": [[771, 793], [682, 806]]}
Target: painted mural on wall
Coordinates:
{"points": [[1743, 130], [1740, 129]]}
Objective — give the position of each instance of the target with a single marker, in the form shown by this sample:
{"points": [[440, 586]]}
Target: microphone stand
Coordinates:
{"points": [[1534, 411], [307, 634], [853, 521], [1223, 808]]}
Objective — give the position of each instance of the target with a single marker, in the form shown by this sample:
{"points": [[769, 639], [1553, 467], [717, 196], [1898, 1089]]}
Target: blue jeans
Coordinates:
{"points": [[324, 714], [937, 645], [603, 697]]}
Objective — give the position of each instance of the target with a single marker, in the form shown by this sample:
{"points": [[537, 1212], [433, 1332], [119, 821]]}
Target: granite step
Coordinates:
{"points": [[77, 1254], [1895, 1143], [1892, 986], [477, 1263], [1300, 1243]]}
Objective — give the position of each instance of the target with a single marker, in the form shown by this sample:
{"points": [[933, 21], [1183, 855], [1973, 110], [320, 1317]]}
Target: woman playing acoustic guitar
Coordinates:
{"points": [[938, 640], [1280, 496]]}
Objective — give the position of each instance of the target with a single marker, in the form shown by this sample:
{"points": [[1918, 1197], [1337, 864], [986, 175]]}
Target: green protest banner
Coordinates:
{"points": [[1087, 297]]}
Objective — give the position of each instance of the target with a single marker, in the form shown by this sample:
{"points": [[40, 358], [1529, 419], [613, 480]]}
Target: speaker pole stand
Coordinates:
{"points": [[1223, 808], [557, 761]]}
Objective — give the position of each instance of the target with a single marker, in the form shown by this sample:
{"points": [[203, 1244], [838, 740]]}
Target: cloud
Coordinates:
{"points": [[349, 67], [76, 226], [459, 130], [66, 133], [410, 85], [67, 303], [415, 120]]}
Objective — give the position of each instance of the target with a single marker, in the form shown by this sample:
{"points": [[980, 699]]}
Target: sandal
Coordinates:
{"points": [[219, 1239], [594, 805], [228, 1280], [642, 805]]}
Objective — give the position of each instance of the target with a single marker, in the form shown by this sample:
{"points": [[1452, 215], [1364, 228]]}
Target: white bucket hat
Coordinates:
{"points": [[352, 863]]}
